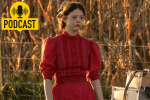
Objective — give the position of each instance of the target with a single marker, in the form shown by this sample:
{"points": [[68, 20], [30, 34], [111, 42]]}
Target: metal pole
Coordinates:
{"points": [[133, 54]]}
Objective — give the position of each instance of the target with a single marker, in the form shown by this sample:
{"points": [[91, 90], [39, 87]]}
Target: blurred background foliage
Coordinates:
{"points": [[120, 27]]}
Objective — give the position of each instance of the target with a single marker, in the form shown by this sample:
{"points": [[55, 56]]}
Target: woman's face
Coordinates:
{"points": [[74, 20]]}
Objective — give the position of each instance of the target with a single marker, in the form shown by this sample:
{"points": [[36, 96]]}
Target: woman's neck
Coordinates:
{"points": [[72, 33]]}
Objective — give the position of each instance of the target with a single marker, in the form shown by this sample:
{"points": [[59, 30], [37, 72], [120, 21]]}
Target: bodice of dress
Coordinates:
{"points": [[66, 55]]}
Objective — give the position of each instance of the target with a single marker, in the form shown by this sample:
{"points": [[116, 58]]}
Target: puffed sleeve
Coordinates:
{"points": [[94, 61], [47, 65]]}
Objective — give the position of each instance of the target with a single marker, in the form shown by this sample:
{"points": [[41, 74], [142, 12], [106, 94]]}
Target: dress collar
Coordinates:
{"points": [[65, 33]]}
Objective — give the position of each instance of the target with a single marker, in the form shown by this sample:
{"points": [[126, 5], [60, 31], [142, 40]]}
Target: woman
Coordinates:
{"points": [[70, 57]]}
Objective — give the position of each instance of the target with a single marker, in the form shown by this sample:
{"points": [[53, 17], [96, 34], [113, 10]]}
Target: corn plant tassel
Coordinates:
{"points": [[128, 21], [86, 14], [99, 13], [91, 3], [110, 19]]}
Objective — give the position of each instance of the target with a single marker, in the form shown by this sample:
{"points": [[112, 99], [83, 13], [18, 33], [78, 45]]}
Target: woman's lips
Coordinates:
{"points": [[77, 25]]}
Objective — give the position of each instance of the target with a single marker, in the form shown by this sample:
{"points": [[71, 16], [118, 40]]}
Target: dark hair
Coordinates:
{"points": [[69, 7]]}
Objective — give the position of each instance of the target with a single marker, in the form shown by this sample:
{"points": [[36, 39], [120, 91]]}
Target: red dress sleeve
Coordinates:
{"points": [[94, 61], [47, 65]]}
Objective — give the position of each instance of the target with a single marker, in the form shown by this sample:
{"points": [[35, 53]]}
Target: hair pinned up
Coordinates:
{"points": [[60, 10]]}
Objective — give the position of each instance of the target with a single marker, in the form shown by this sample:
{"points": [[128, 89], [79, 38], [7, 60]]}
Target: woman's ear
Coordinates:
{"points": [[65, 19]]}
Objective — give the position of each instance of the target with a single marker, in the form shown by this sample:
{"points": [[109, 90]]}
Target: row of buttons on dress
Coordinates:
{"points": [[74, 53], [73, 48]]}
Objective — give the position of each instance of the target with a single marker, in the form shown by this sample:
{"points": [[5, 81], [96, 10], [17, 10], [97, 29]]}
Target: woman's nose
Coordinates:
{"points": [[78, 20]]}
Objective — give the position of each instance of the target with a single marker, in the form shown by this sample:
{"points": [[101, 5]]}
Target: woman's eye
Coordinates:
{"points": [[81, 17], [73, 17]]}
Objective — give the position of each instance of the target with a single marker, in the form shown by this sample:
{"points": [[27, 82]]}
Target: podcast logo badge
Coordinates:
{"points": [[19, 12]]}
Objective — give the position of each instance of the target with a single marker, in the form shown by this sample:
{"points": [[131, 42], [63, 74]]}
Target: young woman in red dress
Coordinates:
{"points": [[71, 58]]}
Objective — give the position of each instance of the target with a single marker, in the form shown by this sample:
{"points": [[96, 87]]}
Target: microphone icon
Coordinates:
{"points": [[19, 11]]}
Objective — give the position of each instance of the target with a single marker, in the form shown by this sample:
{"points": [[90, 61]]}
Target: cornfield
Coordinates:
{"points": [[120, 27]]}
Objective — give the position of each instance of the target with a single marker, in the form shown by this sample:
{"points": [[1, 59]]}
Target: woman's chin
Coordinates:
{"points": [[76, 28]]}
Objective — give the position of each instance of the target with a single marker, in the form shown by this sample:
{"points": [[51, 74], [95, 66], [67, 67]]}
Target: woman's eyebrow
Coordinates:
{"points": [[77, 15]]}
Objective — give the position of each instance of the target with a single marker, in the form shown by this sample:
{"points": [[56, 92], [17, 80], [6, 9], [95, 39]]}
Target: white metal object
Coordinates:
{"points": [[140, 80], [132, 94]]}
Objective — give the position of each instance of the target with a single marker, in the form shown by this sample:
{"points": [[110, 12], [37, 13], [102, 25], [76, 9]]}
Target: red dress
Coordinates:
{"points": [[71, 59]]}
